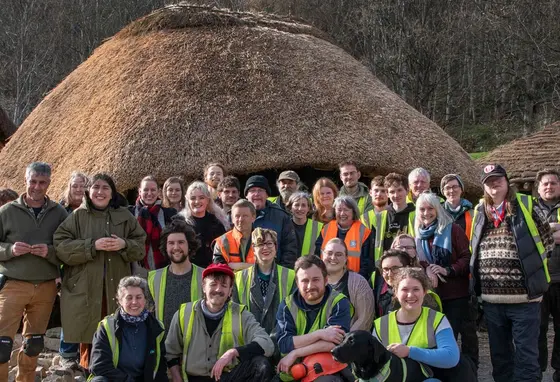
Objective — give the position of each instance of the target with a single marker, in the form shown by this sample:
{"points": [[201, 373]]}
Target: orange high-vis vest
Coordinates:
{"points": [[230, 247], [355, 238], [468, 223]]}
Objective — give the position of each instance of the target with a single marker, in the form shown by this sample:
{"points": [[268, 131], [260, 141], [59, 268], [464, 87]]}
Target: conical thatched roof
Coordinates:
{"points": [[186, 85], [524, 157], [7, 127]]}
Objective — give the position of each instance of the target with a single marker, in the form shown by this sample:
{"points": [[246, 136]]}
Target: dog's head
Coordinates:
{"points": [[363, 351]]}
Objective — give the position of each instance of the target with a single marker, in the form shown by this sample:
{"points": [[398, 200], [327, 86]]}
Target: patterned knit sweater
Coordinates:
{"points": [[501, 276]]}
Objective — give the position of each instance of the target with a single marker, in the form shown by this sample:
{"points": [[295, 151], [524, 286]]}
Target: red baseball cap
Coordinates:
{"points": [[218, 268]]}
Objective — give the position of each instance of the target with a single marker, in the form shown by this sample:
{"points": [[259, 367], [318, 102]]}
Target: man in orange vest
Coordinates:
{"points": [[357, 237], [234, 247]]}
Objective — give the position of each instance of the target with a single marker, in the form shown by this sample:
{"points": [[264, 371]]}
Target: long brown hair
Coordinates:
{"points": [[165, 200], [489, 202], [320, 210]]}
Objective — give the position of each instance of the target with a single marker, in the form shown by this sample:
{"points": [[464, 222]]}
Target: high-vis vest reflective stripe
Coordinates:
{"points": [[312, 232], [362, 204], [157, 281], [273, 199], [468, 223], [526, 205], [381, 229], [243, 280], [320, 322], [231, 250], [355, 238], [231, 336], [108, 324], [368, 219], [423, 333], [434, 295]]}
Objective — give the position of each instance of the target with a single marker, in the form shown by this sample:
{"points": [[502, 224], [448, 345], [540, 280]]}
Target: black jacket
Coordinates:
{"points": [[275, 218], [101, 362]]}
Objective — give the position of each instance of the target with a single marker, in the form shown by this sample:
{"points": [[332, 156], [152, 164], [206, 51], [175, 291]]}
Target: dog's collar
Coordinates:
{"points": [[382, 375]]}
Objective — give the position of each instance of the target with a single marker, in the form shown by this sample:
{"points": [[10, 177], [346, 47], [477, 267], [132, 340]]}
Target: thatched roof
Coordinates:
{"points": [[7, 127], [186, 85], [524, 157]]}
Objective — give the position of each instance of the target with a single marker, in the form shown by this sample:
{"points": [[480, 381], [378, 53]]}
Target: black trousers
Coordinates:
{"points": [[550, 305], [258, 369], [464, 371], [462, 313]]}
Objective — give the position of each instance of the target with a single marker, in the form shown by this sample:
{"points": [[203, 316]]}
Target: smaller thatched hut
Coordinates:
{"points": [[524, 157], [7, 127]]}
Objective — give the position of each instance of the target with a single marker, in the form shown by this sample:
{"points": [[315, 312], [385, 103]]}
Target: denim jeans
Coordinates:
{"points": [[509, 325], [66, 350]]}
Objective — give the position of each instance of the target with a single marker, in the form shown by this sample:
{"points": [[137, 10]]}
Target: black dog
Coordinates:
{"points": [[368, 356]]}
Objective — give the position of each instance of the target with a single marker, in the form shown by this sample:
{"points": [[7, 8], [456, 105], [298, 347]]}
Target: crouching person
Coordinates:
{"points": [[217, 339], [128, 346]]}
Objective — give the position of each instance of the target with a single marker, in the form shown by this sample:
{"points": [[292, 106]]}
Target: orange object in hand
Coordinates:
{"points": [[315, 366]]}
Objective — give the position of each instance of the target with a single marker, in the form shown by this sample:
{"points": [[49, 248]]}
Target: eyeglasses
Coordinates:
{"points": [[268, 244], [337, 255], [405, 247], [392, 270], [451, 188]]}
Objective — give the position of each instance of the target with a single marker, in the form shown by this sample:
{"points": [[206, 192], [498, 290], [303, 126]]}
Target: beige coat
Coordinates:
{"points": [[203, 350], [89, 273]]}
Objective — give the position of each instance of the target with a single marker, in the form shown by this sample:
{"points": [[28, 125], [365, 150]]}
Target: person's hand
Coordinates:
{"points": [[438, 270], [400, 350], [224, 360], [40, 250], [334, 334], [556, 236], [20, 248], [286, 363], [113, 243], [433, 277]]}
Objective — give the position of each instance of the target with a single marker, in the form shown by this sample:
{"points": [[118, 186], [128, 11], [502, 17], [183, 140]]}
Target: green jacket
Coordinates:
{"points": [[18, 223], [363, 198], [89, 272]]}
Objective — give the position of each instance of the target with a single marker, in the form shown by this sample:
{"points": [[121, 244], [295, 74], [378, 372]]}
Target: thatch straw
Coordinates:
{"points": [[524, 157], [187, 85]]}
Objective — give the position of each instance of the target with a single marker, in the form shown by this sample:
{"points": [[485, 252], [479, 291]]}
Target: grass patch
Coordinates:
{"points": [[479, 155]]}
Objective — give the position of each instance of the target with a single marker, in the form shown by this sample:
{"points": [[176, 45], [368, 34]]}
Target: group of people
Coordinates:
{"points": [[197, 283]]}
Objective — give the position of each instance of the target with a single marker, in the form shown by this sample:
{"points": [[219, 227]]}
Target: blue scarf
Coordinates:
{"points": [[464, 206], [440, 253], [134, 319]]}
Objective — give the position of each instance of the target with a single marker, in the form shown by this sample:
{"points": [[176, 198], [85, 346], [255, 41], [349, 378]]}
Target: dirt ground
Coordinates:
{"points": [[485, 367]]}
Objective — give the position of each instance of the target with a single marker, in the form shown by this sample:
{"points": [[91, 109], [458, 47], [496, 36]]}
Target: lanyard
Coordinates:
{"points": [[499, 217]]}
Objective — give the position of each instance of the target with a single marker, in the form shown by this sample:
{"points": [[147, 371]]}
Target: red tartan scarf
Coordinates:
{"points": [[148, 219]]}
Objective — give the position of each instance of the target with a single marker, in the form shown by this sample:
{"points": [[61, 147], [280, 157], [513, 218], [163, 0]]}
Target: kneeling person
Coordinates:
{"points": [[216, 339], [313, 319]]}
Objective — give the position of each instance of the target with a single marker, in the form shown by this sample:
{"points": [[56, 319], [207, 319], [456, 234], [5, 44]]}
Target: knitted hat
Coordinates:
{"points": [[448, 178], [257, 181]]}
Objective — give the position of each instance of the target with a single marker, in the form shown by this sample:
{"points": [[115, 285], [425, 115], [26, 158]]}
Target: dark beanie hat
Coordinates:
{"points": [[448, 178], [257, 181]]}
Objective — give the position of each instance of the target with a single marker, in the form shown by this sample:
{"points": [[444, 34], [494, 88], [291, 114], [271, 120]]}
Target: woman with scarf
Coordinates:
{"points": [[207, 219], [443, 250], [461, 210], [96, 243], [128, 345], [152, 217]]}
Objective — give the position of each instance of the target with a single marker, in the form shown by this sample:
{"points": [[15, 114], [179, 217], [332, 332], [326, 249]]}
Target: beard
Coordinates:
{"points": [[285, 194], [179, 260]]}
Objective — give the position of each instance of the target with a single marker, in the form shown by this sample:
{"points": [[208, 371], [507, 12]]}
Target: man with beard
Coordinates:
{"points": [[213, 175], [216, 339], [313, 319], [229, 190], [350, 176], [379, 198], [548, 183], [271, 216], [180, 281], [287, 183]]}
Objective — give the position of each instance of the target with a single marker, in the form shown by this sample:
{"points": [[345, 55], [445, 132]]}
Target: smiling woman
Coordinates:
{"points": [[96, 243]]}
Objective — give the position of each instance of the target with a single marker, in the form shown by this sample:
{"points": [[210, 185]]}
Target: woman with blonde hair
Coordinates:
{"points": [[207, 219], [324, 194], [74, 192], [173, 194]]}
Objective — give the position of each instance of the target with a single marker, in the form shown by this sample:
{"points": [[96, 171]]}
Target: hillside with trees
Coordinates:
{"points": [[486, 71]]}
